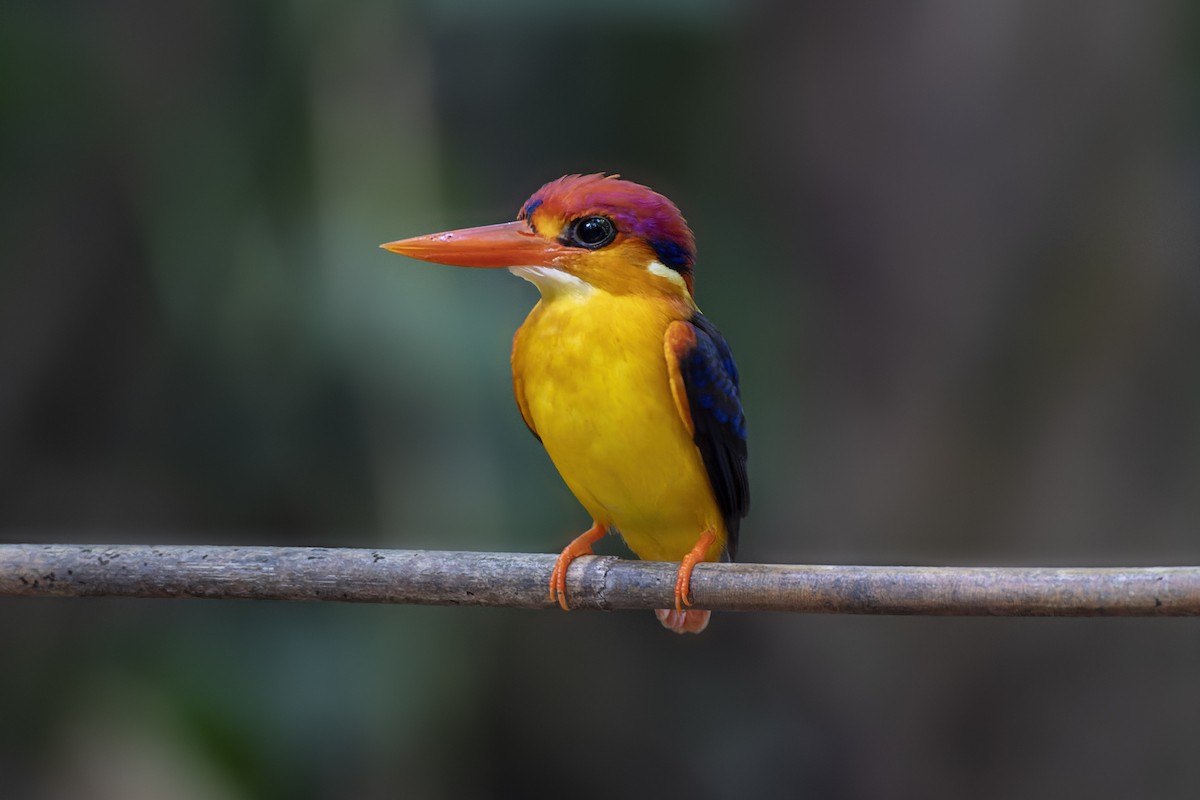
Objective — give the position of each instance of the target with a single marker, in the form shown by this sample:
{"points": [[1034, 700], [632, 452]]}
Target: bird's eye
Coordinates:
{"points": [[591, 232]]}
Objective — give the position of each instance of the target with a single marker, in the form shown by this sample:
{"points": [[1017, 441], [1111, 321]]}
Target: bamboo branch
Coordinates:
{"points": [[519, 580]]}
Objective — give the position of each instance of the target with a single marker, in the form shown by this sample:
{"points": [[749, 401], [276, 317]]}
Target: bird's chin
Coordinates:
{"points": [[551, 281], [683, 621]]}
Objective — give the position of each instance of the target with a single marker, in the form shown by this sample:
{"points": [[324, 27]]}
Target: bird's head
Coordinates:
{"points": [[578, 233]]}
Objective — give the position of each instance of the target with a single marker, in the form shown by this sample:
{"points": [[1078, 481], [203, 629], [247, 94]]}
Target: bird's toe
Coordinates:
{"points": [[683, 621]]}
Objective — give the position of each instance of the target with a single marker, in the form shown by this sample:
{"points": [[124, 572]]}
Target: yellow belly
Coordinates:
{"points": [[593, 376]]}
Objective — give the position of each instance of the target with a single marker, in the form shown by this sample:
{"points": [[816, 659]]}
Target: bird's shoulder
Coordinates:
{"points": [[707, 388]]}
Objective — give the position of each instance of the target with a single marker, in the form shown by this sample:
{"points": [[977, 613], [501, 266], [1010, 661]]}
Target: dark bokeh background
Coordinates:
{"points": [[955, 248]]}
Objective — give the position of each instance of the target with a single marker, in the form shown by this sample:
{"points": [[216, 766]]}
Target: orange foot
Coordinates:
{"points": [[683, 621], [582, 546], [683, 581], [676, 619]]}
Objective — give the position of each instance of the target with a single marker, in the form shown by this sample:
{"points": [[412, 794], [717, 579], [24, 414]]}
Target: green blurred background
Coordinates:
{"points": [[955, 249]]}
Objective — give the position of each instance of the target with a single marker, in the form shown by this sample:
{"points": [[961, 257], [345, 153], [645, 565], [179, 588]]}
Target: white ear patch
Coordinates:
{"points": [[663, 271], [552, 281]]}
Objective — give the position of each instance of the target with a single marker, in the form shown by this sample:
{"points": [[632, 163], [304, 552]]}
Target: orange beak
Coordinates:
{"points": [[510, 244]]}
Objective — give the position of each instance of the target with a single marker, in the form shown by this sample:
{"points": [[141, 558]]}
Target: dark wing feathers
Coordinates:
{"points": [[710, 378]]}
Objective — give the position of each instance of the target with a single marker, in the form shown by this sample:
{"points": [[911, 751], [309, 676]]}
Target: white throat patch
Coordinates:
{"points": [[551, 281]]}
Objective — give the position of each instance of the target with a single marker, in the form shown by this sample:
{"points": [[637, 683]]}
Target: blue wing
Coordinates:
{"points": [[710, 381]]}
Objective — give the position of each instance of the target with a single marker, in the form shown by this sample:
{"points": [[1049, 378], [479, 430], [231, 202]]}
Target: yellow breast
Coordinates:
{"points": [[591, 377]]}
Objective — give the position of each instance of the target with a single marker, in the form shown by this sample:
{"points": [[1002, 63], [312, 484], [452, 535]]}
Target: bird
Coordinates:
{"points": [[631, 390]]}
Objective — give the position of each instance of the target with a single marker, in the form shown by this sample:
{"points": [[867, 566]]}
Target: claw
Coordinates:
{"points": [[683, 580], [683, 621], [581, 546]]}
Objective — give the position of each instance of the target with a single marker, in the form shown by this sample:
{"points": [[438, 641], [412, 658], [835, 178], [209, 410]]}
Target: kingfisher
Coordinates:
{"points": [[631, 390]]}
